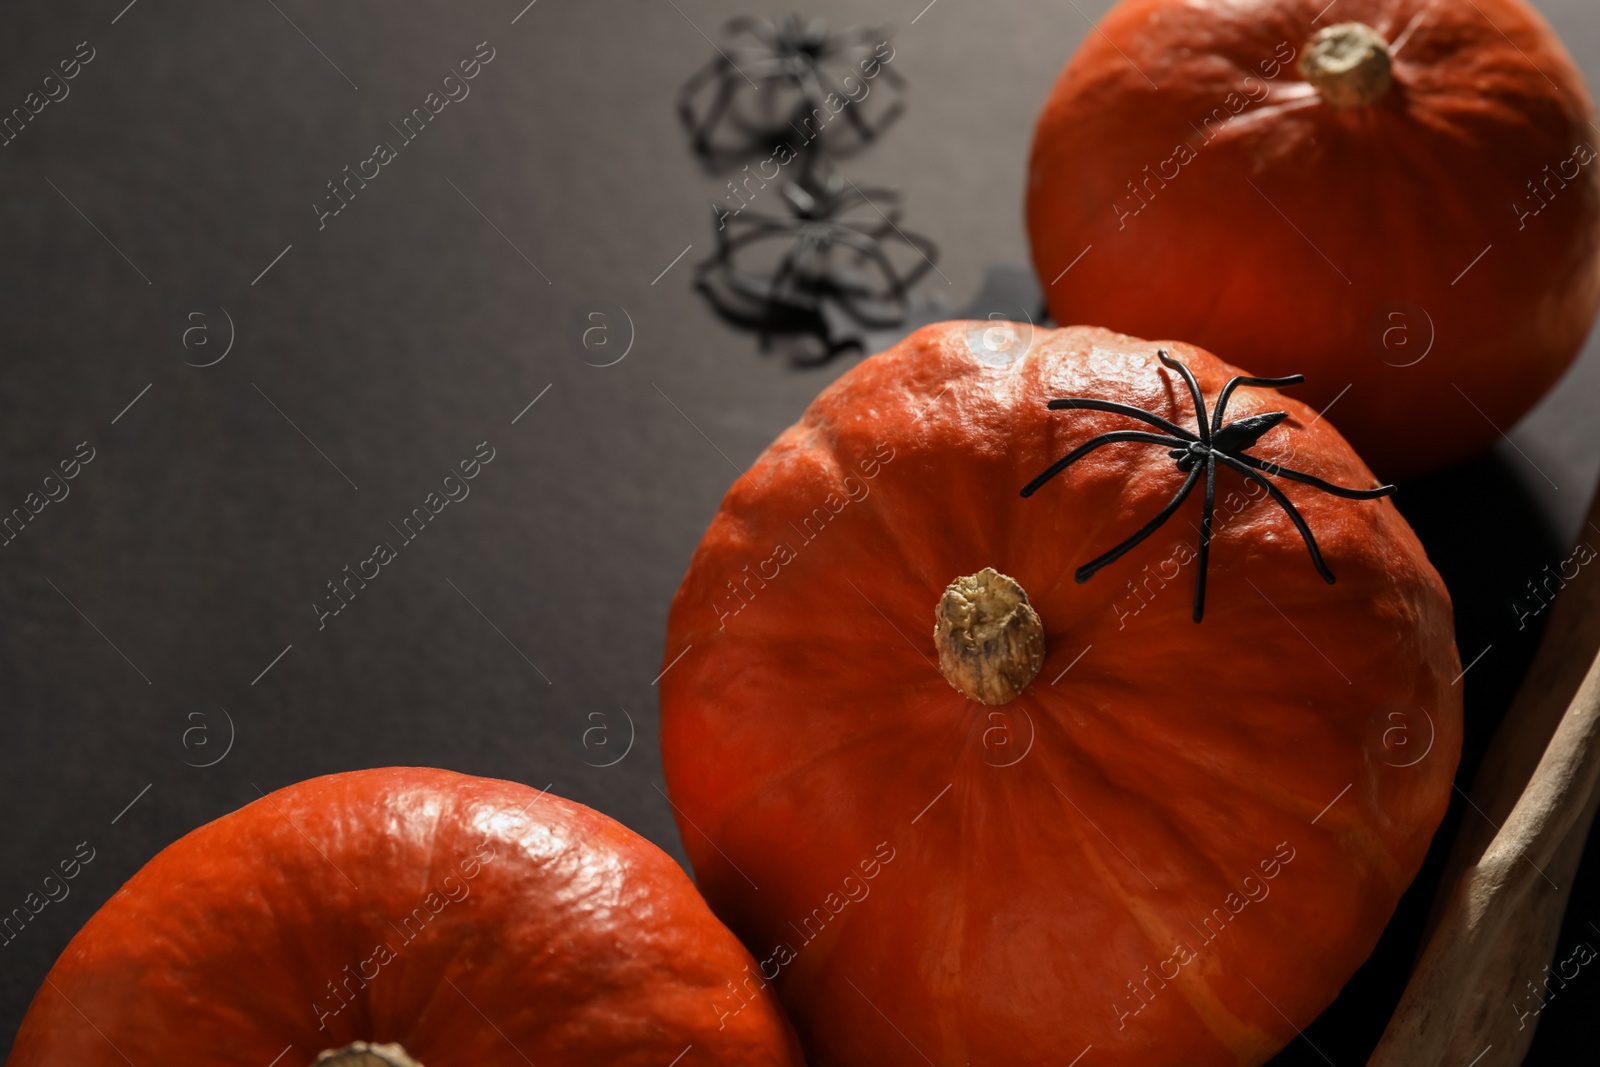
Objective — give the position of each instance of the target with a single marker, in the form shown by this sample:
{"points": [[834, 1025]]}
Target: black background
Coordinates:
{"points": [[421, 321]]}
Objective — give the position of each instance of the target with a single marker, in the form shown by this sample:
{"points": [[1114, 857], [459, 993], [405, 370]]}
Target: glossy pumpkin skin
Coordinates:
{"points": [[1297, 236], [546, 932], [928, 879]]}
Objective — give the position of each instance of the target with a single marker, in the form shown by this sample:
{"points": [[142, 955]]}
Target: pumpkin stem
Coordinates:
{"points": [[362, 1054], [1349, 64], [990, 640]]}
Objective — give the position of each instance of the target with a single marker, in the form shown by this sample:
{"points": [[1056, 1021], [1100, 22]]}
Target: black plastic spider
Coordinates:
{"points": [[792, 68], [835, 273], [1215, 443]]}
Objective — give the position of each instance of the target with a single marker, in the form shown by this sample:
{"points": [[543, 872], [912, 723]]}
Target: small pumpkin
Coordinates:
{"points": [[1399, 198], [965, 803], [409, 917]]}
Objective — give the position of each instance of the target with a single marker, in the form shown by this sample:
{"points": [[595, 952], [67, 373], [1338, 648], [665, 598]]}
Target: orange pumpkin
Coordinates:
{"points": [[1404, 205], [456, 920], [1174, 842]]}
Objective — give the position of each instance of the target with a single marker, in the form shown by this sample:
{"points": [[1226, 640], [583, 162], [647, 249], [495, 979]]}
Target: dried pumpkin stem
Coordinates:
{"points": [[990, 640], [363, 1054], [1350, 64]]}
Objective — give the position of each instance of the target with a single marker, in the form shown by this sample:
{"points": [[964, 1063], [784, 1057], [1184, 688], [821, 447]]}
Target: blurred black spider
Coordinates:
{"points": [[835, 271], [792, 69], [1195, 453]]}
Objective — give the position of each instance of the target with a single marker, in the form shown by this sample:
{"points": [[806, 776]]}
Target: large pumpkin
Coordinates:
{"points": [[1178, 841], [456, 920], [1399, 198]]}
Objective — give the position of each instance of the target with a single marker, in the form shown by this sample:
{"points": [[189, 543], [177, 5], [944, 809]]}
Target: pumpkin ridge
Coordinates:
{"points": [[1182, 823], [429, 871], [1148, 798], [1228, 1030], [747, 802], [898, 539], [823, 444], [1244, 124], [1130, 491], [1182, 747], [1231, 1032], [952, 1024], [1360, 844]]}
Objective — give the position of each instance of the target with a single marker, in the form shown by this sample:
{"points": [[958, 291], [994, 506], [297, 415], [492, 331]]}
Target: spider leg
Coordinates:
{"points": [[775, 298], [756, 226], [1114, 437], [787, 222], [1074, 403], [926, 251], [1310, 479], [898, 284], [1087, 571], [716, 67], [1289, 509], [811, 88], [872, 252], [1206, 516], [1194, 392], [762, 68], [728, 246], [759, 28], [1235, 382], [853, 114], [815, 168], [787, 266], [704, 130], [858, 196]]}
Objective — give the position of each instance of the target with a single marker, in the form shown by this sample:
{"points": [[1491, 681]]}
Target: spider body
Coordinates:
{"points": [[1198, 453]]}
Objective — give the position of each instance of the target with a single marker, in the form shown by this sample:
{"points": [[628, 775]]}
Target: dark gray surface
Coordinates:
{"points": [[381, 349]]}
